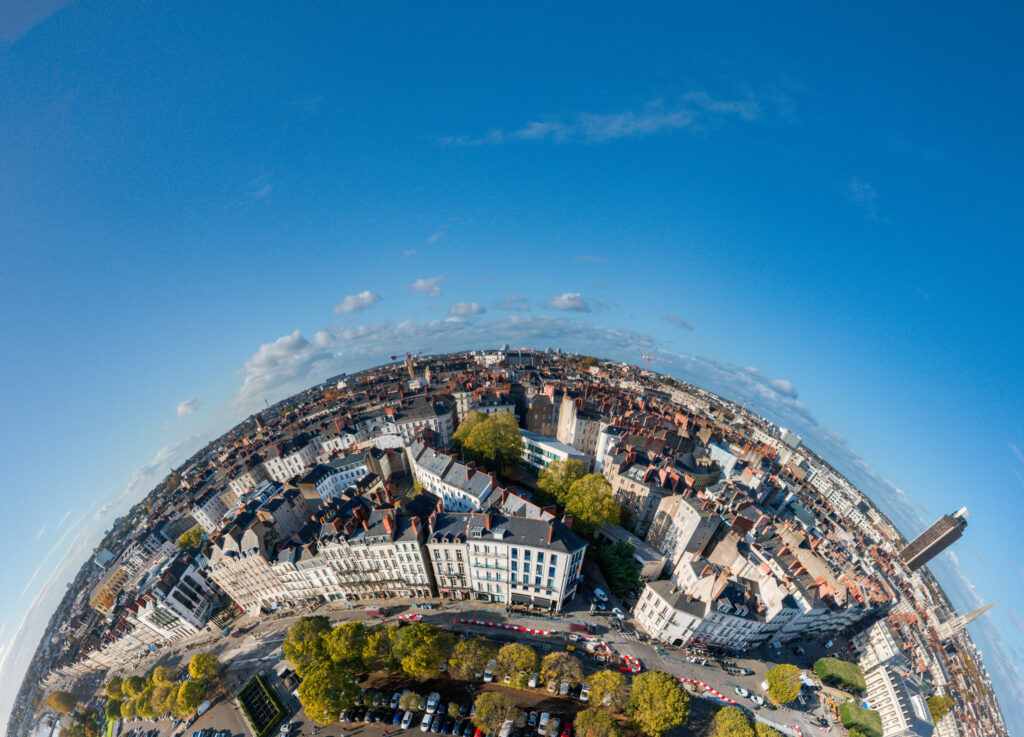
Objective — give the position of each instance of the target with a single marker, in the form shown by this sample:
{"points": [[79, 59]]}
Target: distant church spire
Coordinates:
{"points": [[956, 624]]}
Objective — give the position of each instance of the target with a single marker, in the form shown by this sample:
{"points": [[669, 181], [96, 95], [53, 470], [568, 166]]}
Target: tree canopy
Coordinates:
{"points": [[204, 666], [191, 538], [61, 701], [304, 644], [596, 723], [763, 730], [561, 666], [190, 696], [939, 705], [516, 657], [470, 657], [128, 709], [608, 688], [113, 688], [493, 708], [346, 644], [161, 674], [421, 649], [326, 690], [133, 685], [657, 704], [492, 441], [783, 683], [616, 561], [559, 476], [592, 504], [731, 722]]}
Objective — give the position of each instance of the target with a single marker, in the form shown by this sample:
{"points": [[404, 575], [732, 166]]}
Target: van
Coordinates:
{"points": [[601, 595]]}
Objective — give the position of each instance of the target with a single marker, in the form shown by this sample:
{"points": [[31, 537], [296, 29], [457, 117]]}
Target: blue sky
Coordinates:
{"points": [[813, 208]]}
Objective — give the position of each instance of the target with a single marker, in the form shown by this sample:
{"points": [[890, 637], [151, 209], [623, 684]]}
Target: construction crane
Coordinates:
{"points": [[651, 357], [408, 360]]}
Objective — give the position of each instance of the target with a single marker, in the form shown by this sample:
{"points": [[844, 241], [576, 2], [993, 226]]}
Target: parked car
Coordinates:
{"points": [[432, 701], [531, 721], [601, 595], [552, 685], [534, 678], [585, 693], [396, 718], [489, 671], [563, 689], [741, 691], [618, 613], [407, 719], [567, 729], [757, 699], [425, 726], [553, 727], [542, 725]]}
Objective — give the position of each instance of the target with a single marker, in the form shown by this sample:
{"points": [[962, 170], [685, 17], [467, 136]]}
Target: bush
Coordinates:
{"points": [[856, 717], [783, 683], [841, 674]]}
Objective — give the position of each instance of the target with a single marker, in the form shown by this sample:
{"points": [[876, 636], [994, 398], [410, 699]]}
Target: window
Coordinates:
{"points": [[554, 559], [551, 583], [536, 581], [526, 555], [551, 571], [526, 567], [540, 557], [515, 552]]}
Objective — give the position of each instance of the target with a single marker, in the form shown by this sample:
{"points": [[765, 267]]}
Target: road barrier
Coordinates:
{"points": [[504, 626], [708, 689]]}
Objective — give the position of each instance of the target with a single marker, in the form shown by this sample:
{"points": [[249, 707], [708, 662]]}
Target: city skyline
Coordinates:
{"points": [[182, 243]]}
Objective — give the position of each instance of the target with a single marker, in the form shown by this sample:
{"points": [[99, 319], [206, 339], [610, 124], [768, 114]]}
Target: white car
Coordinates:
{"points": [[407, 719], [489, 671], [534, 679], [585, 693], [757, 699], [432, 701], [542, 725], [600, 594], [741, 692], [425, 726], [619, 613], [286, 728]]}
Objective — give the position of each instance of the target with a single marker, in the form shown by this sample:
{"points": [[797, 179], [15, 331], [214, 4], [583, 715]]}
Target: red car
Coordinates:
{"points": [[567, 729], [478, 733]]}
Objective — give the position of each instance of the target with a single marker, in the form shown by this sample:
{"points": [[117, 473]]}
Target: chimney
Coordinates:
{"points": [[365, 526], [567, 521], [551, 531], [389, 524], [487, 520]]}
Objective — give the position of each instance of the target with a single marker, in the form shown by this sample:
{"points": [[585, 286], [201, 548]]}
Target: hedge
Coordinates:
{"points": [[257, 681], [867, 721], [840, 673]]}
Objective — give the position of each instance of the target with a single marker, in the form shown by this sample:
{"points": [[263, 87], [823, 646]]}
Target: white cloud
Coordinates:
{"points": [[864, 195], [466, 309], [357, 302], [259, 188], [274, 364], [691, 111], [514, 303], [189, 406], [783, 387], [63, 519], [430, 287], [409, 252], [1016, 453], [570, 302], [680, 322], [42, 531], [17, 19]]}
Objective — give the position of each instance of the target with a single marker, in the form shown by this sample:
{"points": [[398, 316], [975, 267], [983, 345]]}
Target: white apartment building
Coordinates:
{"points": [[900, 704], [505, 559], [878, 645], [247, 480], [178, 599], [540, 451], [578, 427], [461, 488], [208, 510], [331, 479], [291, 458], [608, 440]]}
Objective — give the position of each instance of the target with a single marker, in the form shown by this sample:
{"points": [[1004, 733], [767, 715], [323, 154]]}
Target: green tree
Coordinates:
{"points": [[133, 685], [421, 649], [304, 646], [204, 666], [144, 703], [561, 667], [61, 701], [783, 683], [939, 705], [411, 701], [731, 722], [191, 538], [596, 723], [592, 504], [763, 730], [75, 729], [609, 688], [464, 429], [346, 645], [380, 648], [493, 709], [657, 704], [164, 698], [516, 657], [494, 441], [113, 688], [190, 696], [113, 710], [616, 561], [559, 476], [161, 674], [128, 709], [470, 657], [326, 690]]}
